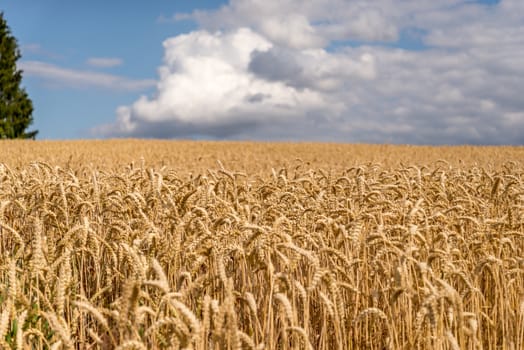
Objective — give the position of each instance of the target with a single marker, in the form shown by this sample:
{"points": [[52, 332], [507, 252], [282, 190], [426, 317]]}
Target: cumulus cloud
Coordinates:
{"points": [[104, 62], [300, 24], [313, 68], [340, 70], [79, 78], [206, 88]]}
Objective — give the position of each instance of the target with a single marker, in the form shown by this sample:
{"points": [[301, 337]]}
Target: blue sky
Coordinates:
{"points": [[67, 34], [422, 72]]}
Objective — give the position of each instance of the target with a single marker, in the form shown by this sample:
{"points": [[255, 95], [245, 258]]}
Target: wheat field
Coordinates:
{"points": [[135, 244]]}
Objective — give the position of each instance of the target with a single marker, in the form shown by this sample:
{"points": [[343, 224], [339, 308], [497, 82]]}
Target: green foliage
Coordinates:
{"points": [[15, 106]]}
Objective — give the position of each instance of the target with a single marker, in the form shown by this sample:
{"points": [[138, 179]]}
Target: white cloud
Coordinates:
{"points": [[104, 62], [80, 78], [299, 24], [270, 69], [312, 68], [293, 30], [314, 23], [205, 83]]}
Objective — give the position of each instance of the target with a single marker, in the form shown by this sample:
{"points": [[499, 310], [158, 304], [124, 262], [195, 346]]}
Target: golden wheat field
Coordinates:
{"points": [[227, 245]]}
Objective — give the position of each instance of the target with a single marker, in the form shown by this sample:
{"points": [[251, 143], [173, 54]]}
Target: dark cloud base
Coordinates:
{"points": [[314, 129]]}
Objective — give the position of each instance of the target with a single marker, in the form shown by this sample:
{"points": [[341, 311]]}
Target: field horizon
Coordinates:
{"points": [[236, 155]]}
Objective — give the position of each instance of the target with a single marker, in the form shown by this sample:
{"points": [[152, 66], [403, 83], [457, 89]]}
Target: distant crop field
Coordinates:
{"points": [[136, 244]]}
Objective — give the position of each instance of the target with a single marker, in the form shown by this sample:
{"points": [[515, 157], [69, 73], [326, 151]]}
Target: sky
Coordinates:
{"points": [[355, 71]]}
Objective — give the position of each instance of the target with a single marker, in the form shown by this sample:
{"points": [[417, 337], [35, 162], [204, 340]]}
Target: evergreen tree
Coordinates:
{"points": [[16, 108]]}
